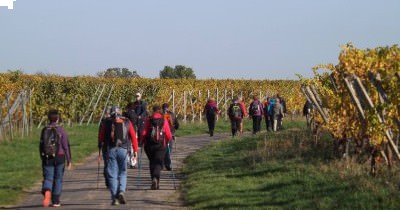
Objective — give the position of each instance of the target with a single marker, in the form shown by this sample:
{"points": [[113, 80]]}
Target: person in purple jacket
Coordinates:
{"points": [[256, 112], [211, 110], [54, 151]]}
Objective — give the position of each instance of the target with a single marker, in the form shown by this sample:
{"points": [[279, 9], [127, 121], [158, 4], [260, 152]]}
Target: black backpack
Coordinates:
{"points": [[236, 111], [132, 116], [49, 141], [255, 108], [117, 133], [156, 134]]}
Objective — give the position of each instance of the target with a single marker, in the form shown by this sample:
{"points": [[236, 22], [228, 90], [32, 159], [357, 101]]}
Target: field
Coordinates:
{"points": [[284, 170]]}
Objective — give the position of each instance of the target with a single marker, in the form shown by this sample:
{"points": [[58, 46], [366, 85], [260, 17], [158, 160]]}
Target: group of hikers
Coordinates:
{"points": [[273, 109], [121, 133]]}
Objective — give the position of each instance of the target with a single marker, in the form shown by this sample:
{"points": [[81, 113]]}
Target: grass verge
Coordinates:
{"points": [[283, 170]]}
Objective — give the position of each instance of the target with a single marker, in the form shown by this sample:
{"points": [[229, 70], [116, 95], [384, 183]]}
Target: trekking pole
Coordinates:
{"points": [[173, 173], [98, 169], [140, 163]]}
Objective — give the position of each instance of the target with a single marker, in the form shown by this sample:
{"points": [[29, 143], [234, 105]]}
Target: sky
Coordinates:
{"points": [[253, 39]]}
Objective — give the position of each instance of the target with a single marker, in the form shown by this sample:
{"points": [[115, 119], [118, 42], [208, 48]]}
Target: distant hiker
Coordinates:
{"points": [[141, 113], [156, 136], [283, 103], [236, 114], [54, 150], [256, 112], [268, 114], [117, 135], [211, 110], [307, 111], [173, 125], [130, 113], [243, 106], [278, 114], [104, 150]]}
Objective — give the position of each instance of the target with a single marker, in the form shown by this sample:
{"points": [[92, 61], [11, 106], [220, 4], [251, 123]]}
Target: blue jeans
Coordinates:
{"points": [[117, 170], [53, 172]]}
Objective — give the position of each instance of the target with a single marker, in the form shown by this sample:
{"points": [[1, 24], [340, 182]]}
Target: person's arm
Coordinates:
{"points": [[132, 134], [65, 145], [167, 130], [100, 136]]}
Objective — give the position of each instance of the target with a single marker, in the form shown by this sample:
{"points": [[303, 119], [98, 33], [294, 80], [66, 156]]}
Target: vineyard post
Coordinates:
{"points": [[30, 109], [9, 116], [381, 120], [217, 102], [184, 106], [200, 111], [173, 100], [90, 104], [225, 105], [354, 97], [95, 105], [316, 104], [105, 104]]}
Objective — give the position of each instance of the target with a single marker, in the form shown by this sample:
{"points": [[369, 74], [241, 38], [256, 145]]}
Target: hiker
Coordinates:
{"points": [[211, 110], [130, 113], [173, 125], [117, 134], [104, 150], [283, 103], [141, 113], [268, 113], [307, 111], [54, 150], [278, 114], [256, 113], [236, 114], [243, 106], [156, 135]]}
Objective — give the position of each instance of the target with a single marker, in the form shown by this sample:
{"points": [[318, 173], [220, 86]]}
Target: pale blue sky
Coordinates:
{"points": [[257, 39]]}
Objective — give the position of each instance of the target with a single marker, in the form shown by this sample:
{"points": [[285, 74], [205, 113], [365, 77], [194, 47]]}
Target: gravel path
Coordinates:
{"points": [[80, 184]]}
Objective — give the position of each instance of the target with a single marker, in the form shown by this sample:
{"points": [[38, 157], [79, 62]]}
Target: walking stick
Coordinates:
{"points": [[98, 169], [173, 173], [140, 163]]}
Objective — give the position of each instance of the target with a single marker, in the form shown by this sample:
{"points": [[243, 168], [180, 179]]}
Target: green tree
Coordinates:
{"points": [[179, 72], [118, 72]]}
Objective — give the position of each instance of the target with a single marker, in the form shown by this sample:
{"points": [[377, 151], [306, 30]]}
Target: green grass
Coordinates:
{"points": [[283, 171], [221, 126]]}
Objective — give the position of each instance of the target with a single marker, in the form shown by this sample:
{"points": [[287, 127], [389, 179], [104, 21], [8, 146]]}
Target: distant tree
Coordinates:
{"points": [[118, 72], [179, 72]]}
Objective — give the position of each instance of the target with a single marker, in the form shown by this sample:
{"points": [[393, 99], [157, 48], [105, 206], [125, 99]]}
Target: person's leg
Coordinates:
{"points": [[233, 129], [275, 124], [122, 160], [48, 180], [58, 179], [112, 172], [167, 157], [254, 124], [157, 165], [213, 119], [209, 124], [105, 162]]}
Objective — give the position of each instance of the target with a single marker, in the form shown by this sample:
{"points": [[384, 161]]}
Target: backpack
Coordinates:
{"points": [[236, 111], [255, 108], [50, 141], [118, 133], [156, 134], [276, 109], [210, 111]]}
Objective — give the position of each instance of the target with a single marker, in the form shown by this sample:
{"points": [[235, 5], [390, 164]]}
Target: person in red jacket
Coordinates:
{"points": [[156, 135], [117, 135]]}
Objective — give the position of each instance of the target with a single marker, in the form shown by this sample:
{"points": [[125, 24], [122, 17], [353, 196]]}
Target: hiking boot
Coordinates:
{"points": [[121, 198], [47, 198], [154, 183], [115, 202], [168, 167]]}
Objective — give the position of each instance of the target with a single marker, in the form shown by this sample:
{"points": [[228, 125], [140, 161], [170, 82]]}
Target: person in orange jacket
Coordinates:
{"points": [[117, 135], [156, 135]]}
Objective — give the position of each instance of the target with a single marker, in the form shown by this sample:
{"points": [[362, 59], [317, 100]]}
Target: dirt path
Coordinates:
{"points": [[80, 184]]}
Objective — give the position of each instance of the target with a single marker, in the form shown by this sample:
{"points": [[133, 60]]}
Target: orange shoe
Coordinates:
{"points": [[47, 199]]}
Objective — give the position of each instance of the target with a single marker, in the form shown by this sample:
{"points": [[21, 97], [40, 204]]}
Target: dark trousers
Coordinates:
{"points": [[235, 125], [256, 124], [211, 123], [269, 122], [156, 154], [168, 153], [139, 126]]}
